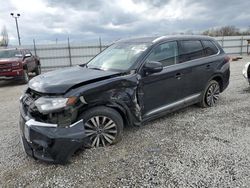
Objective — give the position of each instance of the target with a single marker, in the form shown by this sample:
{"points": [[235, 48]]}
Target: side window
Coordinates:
{"points": [[28, 52], [190, 49], [209, 48], [166, 53]]}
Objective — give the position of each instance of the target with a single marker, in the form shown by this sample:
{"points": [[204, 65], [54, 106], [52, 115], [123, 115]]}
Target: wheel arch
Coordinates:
{"points": [[218, 78], [125, 114], [25, 67]]}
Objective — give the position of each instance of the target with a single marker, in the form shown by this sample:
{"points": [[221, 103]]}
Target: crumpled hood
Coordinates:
{"points": [[60, 81]]}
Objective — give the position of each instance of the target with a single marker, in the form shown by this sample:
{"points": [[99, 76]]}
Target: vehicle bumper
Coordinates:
{"points": [[226, 78], [16, 73], [246, 71], [50, 143]]}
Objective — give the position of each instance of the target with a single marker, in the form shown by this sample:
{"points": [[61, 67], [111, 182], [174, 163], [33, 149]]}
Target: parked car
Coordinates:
{"points": [[129, 83], [17, 64], [246, 72]]}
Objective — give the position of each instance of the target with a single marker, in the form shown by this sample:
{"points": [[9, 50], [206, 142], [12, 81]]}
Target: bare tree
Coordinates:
{"points": [[223, 31], [229, 31], [4, 37]]}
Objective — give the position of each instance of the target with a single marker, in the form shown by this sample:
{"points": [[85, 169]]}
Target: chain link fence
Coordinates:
{"points": [[69, 54]]}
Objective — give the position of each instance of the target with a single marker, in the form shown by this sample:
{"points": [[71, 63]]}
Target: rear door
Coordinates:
{"points": [[212, 59], [192, 57]]}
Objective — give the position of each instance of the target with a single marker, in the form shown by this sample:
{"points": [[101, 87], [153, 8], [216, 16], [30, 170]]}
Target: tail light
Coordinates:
{"points": [[226, 59]]}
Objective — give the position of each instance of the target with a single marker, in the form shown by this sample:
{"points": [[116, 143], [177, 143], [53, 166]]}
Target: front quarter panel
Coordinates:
{"points": [[119, 92]]}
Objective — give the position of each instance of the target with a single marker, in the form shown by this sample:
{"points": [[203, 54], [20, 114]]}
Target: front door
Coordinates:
{"points": [[162, 90]]}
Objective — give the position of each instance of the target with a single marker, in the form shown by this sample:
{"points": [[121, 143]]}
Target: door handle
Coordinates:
{"points": [[178, 75], [208, 67]]}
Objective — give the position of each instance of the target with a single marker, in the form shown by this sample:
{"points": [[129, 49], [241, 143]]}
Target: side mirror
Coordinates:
{"points": [[27, 55], [152, 67]]}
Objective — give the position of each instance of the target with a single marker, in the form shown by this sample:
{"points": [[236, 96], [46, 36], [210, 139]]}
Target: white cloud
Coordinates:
{"points": [[46, 20]]}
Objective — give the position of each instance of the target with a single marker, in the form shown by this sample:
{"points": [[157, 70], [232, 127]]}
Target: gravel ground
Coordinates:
{"points": [[193, 147]]}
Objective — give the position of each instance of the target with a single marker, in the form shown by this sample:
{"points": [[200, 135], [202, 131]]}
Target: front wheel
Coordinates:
{"points": [[103, 126], [210, 94], [25, 78]]}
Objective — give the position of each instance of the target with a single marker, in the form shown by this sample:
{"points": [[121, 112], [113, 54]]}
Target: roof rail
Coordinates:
{"points": [[158, 38]]}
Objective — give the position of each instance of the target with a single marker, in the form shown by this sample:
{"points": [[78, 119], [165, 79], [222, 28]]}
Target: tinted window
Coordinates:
{"points": [[209, 47], [166, 53], [190, 49]]}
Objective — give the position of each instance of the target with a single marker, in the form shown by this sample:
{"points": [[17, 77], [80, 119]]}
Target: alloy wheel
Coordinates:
{"points": [[101, 130], [212, 94], [26, 76]]}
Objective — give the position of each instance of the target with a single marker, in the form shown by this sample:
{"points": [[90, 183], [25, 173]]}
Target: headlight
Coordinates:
{"points": [[49, 104], [15, 64], [244, 72]]}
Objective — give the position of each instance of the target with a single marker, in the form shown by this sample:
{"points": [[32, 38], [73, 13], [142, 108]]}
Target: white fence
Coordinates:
{"points": [[234, 44], [63, 55]]}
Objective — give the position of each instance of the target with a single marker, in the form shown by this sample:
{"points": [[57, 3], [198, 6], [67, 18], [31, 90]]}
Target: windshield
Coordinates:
{"points": [[119, 56], [10, 54]]}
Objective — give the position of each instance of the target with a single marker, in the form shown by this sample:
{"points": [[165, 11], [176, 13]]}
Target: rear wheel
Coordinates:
{"points": [[211, 94], [103, 126]]}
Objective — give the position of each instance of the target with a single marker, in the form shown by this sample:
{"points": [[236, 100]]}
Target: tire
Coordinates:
{"points": [[38, 69], [210, 95], [103, 125], [25, 78]]}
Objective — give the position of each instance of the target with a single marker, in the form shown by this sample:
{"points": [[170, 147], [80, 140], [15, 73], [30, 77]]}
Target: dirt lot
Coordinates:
{"points": [[193, 147]]}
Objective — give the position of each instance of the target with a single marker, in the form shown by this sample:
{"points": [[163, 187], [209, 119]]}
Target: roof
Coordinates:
{"points": [[164, 38], [4, 48]]}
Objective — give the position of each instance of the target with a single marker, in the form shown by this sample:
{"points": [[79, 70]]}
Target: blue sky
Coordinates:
{"points": [[48, 20]]}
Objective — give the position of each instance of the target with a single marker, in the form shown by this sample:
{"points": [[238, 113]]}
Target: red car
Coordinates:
{"points": [[17, 64]]}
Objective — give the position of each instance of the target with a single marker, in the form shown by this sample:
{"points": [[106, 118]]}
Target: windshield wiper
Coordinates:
{"points": [[95, 68]]}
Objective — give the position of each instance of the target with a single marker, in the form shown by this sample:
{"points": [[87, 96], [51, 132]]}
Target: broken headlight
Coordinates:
{"points": [[50, 104]]}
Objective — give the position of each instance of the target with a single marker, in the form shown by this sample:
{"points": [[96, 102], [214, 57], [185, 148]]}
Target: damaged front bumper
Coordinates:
{"points": [[48, 142]]}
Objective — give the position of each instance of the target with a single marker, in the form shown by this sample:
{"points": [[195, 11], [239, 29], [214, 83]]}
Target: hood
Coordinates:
{"points": [[9, 60], [60, 81]]}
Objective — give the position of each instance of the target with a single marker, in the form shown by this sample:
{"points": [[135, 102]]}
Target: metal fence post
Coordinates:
{"points": [[241, 46], [100, 43], [34, 43], [70, 60], [222, 42]]}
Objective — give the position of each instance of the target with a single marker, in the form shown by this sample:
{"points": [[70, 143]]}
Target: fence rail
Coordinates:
{"points": [[69, 54]]}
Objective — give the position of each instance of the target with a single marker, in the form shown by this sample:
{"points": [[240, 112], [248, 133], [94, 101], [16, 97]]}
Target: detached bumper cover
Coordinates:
{"points": [[50, 143]]}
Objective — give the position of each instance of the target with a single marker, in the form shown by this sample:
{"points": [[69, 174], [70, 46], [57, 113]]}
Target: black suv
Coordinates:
{"points": [[130, 82]]}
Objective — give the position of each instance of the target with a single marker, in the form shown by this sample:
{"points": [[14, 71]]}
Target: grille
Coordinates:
{"points": [[29, 105], [5, 65], [33, 94]]}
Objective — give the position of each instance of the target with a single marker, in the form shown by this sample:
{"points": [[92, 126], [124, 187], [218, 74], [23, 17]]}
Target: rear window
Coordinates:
{"points": [[190, 49], [209, 47]]}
